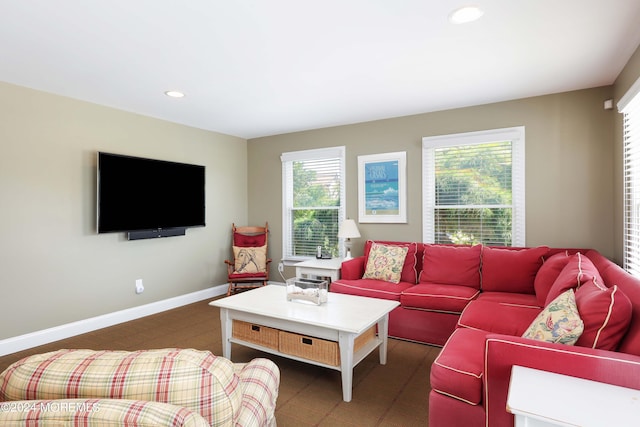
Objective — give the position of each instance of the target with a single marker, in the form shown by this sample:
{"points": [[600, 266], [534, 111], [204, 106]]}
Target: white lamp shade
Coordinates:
{"points": [[348, 229]]}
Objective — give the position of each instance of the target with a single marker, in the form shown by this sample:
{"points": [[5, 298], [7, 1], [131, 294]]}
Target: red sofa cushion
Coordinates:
{"points": [[606, 313], [577, 271], [630, 285], [450, 298], [498, 317], [370, 288], [547, 274], [451, 265], [458, 369], [526, 300], [511, 270], [409, 270]]}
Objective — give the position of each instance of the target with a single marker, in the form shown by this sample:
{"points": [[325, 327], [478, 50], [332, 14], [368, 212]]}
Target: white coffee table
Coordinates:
{"points": [[342, 319]]}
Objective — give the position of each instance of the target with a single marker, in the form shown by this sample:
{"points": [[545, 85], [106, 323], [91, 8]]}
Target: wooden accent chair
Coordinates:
{"points": [[250, 265]]}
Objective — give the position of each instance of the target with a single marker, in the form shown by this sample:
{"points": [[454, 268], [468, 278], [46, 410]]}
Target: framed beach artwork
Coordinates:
{"points": [[382, 187]]}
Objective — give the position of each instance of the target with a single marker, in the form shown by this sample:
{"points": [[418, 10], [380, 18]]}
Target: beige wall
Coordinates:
{"points": [[54, 268], [569, 166], [627, 77]]}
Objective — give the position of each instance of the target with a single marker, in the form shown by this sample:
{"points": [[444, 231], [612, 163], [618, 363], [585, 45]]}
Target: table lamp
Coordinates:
{"points": [[347, 230]]}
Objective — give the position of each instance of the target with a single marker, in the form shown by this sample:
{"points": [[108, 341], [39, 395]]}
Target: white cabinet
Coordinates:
{"points": [[324, 268], [541, 399]]}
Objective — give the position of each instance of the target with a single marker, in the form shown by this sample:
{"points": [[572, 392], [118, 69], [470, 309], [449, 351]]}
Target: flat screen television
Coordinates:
{"points": [[148, 198]]}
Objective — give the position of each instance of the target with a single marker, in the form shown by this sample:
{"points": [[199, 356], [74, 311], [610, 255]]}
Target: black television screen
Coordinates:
{"points": [[137, 194]]}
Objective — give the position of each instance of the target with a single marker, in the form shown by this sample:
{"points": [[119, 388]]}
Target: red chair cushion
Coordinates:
{"points": [[247, 241], [236, 276], [451, 265]]}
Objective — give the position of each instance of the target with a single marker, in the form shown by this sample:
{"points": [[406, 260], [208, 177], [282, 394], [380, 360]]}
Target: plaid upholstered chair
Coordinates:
{"points": [[249, 267], [159, 387]]}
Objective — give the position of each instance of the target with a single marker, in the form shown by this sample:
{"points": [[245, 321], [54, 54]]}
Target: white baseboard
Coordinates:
{"points": [[45, 336]]}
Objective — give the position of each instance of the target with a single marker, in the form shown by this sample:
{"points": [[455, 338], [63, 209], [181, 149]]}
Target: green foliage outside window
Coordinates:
{"points": [[316, 199], [473, 194]]}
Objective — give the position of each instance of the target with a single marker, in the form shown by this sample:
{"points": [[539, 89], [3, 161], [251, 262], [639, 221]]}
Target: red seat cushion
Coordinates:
{"points": [[451, 265], [547, 274], [458, 369], [526, 300], [370, 288], [577, 271], [606, 313], [498, 317], [511, 270], [437, 297], [237, 276]]}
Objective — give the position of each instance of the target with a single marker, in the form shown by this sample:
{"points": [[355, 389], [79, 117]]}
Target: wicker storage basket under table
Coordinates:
{"points": [[257, 334], [317, 349]]}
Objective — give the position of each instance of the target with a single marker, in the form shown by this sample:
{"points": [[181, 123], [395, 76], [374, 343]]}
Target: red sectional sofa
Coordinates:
{"points": [[477, 302]]}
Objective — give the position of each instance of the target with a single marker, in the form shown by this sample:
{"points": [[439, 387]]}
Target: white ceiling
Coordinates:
{"points": [[253, 68]]}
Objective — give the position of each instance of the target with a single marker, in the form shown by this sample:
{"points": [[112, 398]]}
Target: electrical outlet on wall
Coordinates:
{"points": [[139, 286], [281, 266]]}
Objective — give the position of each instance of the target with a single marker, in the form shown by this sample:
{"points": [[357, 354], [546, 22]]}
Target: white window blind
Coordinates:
{"points": [[473, 188], [629, 105], [313, 201]]}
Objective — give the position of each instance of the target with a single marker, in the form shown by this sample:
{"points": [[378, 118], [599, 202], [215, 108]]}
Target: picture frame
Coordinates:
{"points": [[382, 188]]}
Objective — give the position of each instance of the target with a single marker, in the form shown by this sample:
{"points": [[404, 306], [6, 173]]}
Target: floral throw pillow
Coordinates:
{"points": [[385, 262], [559, 322], [250, 260]]}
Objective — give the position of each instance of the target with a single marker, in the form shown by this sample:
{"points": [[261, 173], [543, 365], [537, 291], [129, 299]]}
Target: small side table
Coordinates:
{"points": [[328, 269]]}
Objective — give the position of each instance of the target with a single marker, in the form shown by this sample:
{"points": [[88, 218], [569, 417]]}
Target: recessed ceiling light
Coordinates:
{"points": [[174, 94], [465, 14]]}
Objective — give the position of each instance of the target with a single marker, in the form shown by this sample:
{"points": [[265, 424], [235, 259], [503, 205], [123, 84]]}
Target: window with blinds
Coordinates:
{"points": [[629, 105], [313, 201], [474, 188]]}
